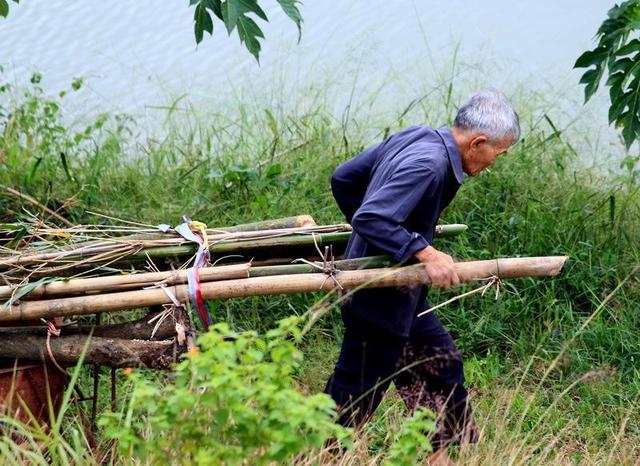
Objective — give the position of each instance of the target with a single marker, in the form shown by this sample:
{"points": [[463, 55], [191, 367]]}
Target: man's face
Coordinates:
{"points": [[481, 153]]}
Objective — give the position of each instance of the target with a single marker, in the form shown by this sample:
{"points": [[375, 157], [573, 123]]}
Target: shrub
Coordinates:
{"points": [[232, 401]]}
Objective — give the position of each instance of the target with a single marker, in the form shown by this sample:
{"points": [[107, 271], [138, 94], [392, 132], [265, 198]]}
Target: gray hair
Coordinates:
{"points": [[491, 113]]}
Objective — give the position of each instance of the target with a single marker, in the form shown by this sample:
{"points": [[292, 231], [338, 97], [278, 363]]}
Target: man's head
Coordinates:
{"points": [[485, 127]]}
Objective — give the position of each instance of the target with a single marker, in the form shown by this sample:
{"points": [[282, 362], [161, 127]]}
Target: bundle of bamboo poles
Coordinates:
{"points": [[65, 251], [157, 339]]}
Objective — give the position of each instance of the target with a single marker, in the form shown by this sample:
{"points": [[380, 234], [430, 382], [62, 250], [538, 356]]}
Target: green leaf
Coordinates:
{"points": [[630, 73], [21, 232], [251, 6], [202, 22], [617, 107], [65, 166], [630, 120], [28, 288], [614, 81], [632, 46], [231, 12], [215, 6], [4, 8], [623, 64], [592, 80], [274, 170], [249, 33], [292, 11], [592, 57]]}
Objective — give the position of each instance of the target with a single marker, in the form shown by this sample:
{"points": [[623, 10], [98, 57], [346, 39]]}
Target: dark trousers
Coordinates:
{"points": [[425, 367]]}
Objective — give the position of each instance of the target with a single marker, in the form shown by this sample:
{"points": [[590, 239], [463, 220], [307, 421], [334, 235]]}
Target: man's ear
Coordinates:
{"points": [[478, 140]]}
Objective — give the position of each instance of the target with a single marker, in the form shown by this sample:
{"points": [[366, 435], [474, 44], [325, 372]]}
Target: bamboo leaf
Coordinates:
{"points": [[28, 288], [4, 8], [22, 231]]}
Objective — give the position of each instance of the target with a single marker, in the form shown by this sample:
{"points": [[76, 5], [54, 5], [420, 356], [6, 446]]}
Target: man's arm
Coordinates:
{"points": [[350, 180], [379, 221]]}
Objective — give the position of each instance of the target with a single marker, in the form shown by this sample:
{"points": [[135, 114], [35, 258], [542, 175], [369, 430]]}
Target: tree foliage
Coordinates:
{"points": [[4, 7], [617, 55], [240, 15]]}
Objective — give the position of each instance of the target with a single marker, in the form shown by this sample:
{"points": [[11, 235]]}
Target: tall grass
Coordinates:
{"points": [[552, 365]]}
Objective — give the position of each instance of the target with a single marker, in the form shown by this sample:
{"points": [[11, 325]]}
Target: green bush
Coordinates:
{"points": [[411, 441], [233, 401]]}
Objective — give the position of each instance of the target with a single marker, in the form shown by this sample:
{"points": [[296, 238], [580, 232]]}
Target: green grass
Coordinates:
{"points": [[552, 365]]}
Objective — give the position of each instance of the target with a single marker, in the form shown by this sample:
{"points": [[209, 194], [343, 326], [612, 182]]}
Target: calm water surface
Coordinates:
{"points": [[139, 54]]}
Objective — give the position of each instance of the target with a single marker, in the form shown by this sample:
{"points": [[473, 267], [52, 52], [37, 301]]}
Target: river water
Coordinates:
{"points": [[137, 55]]}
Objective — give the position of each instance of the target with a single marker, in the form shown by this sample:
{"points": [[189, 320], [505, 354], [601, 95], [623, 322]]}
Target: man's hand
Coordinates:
{"points": [[439, 267]]}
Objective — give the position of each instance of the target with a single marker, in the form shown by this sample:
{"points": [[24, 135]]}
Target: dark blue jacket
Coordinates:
{"points": [[393, 194]]}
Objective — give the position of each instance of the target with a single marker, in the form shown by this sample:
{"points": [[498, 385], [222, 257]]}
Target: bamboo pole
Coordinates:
{"points": [[278, 223], [282, 284], [126, 282], [169, 241], [317, 267], [321, 239], [228, 247], [224, 243], [83, 286]]}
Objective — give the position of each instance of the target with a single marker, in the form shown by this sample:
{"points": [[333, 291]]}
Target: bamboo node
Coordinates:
{"points": [[328, 266]]}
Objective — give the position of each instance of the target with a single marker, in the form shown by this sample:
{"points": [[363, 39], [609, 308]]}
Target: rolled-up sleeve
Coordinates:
{"points": [[380, 219], [350, 180]]}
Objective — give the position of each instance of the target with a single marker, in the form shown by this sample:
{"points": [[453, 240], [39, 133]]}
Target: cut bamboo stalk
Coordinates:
{"points": [[165, 240], [83, 286], [126, 282], [317, 267], [282, 284], [299, 221], [140, 249], [321, 239], [227, 247], [286, 222]]}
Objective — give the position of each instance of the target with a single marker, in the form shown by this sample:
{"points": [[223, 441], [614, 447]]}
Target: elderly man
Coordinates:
{"points": [[393, 194]]}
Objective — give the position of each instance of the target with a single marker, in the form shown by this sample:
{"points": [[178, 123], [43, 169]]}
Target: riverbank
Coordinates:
{"points": [[551, 365]]}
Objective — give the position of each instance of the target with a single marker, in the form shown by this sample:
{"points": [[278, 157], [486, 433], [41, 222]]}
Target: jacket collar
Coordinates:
{"points": [[452, 152]]}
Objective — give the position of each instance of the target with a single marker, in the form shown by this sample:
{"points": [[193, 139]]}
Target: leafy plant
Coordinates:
{"points": [[4, 7], [232, 402], [412, 441], [618, 55], [237, 14]]}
